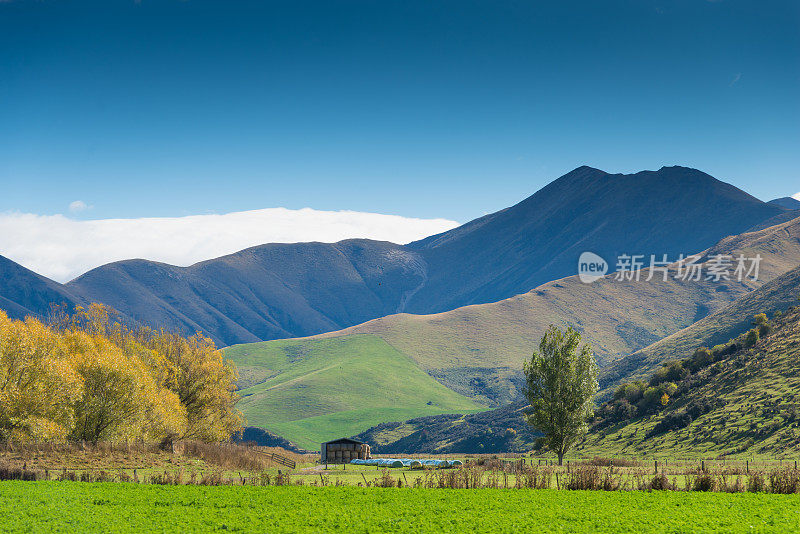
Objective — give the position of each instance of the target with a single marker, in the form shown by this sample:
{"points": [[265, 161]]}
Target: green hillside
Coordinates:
{"points": [[717, 328], [740, 397], [314, 390]]}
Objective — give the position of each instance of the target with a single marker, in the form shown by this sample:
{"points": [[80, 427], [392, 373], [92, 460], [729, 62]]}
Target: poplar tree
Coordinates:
{"points": [[561, 381]]}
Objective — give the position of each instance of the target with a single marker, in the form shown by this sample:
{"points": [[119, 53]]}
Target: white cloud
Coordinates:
{"points": [[77, 206], [62, 248], [796, 196]]}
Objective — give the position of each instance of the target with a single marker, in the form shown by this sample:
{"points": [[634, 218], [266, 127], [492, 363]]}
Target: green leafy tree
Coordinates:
{"points": [[561, 380]]}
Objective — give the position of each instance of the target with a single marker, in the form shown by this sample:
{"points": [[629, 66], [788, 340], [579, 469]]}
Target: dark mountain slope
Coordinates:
{"points": [[786, 202], [670, 211], [778, 219], [23, 292], [266, 292]]}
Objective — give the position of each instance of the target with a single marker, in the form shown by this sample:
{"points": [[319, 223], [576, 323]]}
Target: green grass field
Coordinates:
{"points": [[313, 391], [110, 507]]}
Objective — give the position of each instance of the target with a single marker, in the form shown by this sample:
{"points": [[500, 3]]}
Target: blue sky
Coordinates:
{"points": [[416, 108]]}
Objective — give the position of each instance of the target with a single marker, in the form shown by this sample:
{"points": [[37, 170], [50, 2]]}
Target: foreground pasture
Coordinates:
{"points": [[116, 507]]}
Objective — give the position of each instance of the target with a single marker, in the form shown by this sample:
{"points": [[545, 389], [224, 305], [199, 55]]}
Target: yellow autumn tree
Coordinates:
{"points": [[121, 399], [87, 377], [38, 384], [195, 370]]}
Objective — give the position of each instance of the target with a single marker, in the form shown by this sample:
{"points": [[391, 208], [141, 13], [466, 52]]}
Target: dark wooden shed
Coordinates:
{"points": [[341, 451]]}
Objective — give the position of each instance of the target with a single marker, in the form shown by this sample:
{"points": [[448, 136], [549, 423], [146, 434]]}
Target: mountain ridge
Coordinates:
{"points": [[276, 291]]}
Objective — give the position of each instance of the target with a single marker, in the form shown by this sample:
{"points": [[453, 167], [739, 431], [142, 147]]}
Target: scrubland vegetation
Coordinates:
{"points": [[86, 377], [736, 398]]}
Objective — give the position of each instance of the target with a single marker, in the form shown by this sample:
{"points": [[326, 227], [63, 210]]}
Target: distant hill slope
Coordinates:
{"points": [[310, 393], [265, 292], [786, 202], [741, 399], [23, 292], [718, 327], [289, 290]]}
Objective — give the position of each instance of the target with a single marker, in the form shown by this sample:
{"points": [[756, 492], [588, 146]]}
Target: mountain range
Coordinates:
{"points": [[279, 291]]}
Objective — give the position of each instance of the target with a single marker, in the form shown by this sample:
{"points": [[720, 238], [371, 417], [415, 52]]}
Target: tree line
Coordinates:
{"points": [[86, 376]]}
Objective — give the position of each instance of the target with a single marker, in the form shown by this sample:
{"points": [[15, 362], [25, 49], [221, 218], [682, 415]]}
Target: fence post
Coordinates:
{"points": [[747, 466], [656, 467]]}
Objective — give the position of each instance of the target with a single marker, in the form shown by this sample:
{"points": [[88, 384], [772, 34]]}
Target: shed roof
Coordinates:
{"points": [[344, 440]]}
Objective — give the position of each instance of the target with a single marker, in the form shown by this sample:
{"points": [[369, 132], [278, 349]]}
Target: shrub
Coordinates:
{"points": [[704, 482], [672, 371], [751, 338], [701, 358], [660, 482], [671, 421], [756, 482], [784, 481], [590, 477]]}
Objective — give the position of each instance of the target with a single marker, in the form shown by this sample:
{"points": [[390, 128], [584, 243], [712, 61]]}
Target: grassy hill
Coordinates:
{"points": [[741, 397], [313, 391], [717, 328]]}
